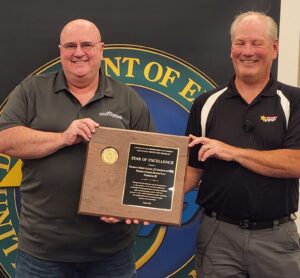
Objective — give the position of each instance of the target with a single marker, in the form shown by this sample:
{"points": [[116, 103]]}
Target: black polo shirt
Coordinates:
{"points": [[50, 227], [271, 121]]}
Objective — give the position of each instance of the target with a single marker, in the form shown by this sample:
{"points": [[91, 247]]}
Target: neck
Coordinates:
{"points": [[249, 90], [82, 84], [83, 90]]}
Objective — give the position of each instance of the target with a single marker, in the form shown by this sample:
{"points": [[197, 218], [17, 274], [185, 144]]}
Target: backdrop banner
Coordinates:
{"points": [[168, 51]]}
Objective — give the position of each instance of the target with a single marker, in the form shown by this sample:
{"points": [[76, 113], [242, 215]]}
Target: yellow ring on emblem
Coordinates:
{"points": [[109, 155]]}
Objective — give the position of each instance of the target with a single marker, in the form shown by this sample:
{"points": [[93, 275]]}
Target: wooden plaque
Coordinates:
{"points": [[135, 175]]}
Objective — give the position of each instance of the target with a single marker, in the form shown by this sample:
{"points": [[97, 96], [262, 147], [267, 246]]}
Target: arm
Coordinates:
{"points": [[281, 163], [192, 178], [26, 143]]}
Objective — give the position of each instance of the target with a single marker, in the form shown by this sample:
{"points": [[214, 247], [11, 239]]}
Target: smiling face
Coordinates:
{"points": [[81, 51], [253, 50]]}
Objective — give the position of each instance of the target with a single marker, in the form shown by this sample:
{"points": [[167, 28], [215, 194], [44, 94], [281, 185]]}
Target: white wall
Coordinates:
{"points": [[289, 38], [289, 49]]}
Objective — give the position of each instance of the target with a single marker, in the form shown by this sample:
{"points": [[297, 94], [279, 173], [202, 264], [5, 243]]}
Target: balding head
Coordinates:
{"points": [[81, 52], [79, 27]]}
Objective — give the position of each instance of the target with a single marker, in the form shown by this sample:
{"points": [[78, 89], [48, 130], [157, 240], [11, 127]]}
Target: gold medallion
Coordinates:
{"points": [[109, 155]]}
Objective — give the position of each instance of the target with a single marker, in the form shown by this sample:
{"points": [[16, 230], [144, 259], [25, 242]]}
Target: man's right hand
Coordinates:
{"points": [[78, 130]]}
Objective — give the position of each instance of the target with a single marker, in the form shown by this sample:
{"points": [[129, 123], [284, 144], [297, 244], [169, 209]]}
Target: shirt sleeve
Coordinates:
{"points": [[15, 110], [194, 128], [140, 118], [292, 138]]}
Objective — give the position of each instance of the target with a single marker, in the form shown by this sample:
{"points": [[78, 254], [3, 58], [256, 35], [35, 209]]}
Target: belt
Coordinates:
{"points": [[250, 225]]}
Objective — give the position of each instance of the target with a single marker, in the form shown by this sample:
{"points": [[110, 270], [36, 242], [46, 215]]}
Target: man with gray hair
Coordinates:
{"points": [[245, 154]]}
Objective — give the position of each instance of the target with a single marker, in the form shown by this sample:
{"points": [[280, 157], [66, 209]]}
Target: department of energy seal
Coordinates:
{"points": [[109, 155]]}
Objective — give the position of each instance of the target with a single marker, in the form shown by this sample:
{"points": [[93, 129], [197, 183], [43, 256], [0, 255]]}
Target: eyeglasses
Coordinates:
{"points": [[85, 46]]}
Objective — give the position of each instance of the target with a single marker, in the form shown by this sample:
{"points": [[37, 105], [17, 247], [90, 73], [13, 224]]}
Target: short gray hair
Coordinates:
{"points": [[271, 24]]}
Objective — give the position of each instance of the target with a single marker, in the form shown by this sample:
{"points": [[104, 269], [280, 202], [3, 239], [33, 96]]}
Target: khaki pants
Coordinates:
{"points": [[226, 250]]}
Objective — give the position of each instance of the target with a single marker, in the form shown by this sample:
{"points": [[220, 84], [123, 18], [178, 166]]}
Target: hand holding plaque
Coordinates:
{"points": [[135, 175]]}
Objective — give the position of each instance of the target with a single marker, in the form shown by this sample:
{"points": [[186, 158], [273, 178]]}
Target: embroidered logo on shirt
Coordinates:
{"points": [[110, 114], [268, 119]]}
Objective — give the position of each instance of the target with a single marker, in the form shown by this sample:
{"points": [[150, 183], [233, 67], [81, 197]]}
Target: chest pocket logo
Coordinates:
{"points": [[268, 119], [110, 114]]}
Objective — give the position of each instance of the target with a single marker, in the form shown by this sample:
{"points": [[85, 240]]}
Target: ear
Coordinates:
{"points": [[275, 48], [231, 52]]}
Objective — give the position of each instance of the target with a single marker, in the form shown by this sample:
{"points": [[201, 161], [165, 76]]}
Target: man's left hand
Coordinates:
{"points": [[113, 220]]}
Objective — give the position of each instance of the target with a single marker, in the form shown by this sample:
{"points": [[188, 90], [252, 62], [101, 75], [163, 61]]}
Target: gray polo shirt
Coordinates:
{"points": [[50, 227]]}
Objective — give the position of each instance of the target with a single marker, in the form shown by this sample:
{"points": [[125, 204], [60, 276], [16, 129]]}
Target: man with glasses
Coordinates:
{"points": [[47, 122]]}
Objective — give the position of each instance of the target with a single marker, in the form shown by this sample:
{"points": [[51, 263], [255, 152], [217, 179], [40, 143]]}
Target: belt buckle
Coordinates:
{"points": [[244, 224]]}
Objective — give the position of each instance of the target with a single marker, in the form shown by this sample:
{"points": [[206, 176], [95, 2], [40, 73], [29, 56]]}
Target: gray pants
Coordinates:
{"points": [[226, 250]]}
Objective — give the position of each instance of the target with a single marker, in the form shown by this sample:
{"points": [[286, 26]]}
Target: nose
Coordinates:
{"points": [[248, 49], [78, 51]]}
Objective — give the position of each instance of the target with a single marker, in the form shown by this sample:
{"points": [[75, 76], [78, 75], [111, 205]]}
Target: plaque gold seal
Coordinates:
{"points": [[109, 155]]}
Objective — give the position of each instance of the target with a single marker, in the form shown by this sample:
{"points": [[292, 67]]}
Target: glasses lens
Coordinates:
{"points": [[70, 46], [85, 46]]}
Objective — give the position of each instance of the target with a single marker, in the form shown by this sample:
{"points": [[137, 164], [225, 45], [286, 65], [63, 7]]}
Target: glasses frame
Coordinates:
{"points": [[85, 46]]}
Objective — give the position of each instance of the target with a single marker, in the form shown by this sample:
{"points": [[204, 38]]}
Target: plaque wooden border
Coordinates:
{"points": [[104, 176]]}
